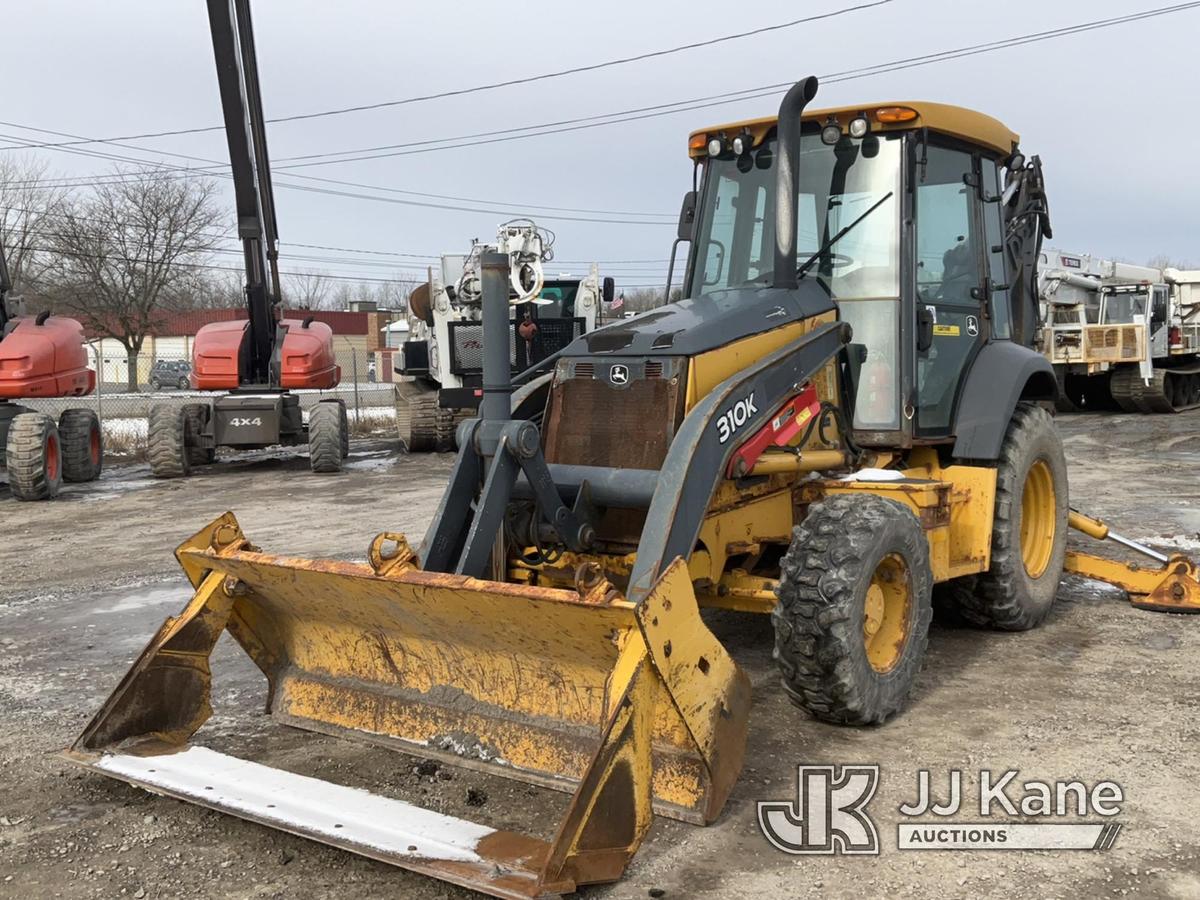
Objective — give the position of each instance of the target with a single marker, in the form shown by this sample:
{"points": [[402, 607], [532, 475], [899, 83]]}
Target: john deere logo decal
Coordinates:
{"points": [[619, 374]]}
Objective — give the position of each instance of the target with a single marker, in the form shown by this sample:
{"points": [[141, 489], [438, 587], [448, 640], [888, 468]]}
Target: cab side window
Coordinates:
{"points": [[950, 268]]}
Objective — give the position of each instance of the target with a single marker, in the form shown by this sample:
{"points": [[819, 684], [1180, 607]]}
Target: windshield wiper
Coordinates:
{"points": [[808, 263]]}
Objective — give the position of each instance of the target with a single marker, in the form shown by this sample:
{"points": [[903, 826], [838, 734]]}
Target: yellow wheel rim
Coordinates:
{"points": [[1039, 519], [887, 613]]}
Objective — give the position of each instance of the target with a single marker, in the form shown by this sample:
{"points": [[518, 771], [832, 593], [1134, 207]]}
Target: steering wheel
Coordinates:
{"points": [[836, 260]]}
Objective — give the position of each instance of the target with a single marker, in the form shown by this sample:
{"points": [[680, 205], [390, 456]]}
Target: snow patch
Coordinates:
{"points": [[154, 597], [874, 475], [302, 804]]}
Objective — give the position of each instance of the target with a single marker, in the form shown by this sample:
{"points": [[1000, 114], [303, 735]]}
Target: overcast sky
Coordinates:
{"points": [[1111, 112]]}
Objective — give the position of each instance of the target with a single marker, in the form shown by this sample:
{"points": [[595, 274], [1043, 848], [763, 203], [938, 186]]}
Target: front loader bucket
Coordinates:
{"points": [[631, 708]]}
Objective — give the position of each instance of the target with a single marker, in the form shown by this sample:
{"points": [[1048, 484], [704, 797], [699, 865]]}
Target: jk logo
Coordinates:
{"points": [[828, 815]]}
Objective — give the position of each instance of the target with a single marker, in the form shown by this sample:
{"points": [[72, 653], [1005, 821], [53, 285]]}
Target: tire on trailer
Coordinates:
{"points": [[166, 443], [852, 621], [196, 416], [325, 438], [1029, 528], [82, 444], [33, 456]]}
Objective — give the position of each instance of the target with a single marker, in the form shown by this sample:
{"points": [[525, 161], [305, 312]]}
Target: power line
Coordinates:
{"points": [[501, 84], [427, 258], [657, 110], [515, 211], [673, 108]]}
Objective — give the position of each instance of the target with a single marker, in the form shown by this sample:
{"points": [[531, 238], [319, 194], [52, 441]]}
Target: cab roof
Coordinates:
{"points": [[955, 121]]}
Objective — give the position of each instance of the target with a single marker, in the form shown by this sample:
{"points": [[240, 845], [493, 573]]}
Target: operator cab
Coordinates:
{"points": [[900, 223]]}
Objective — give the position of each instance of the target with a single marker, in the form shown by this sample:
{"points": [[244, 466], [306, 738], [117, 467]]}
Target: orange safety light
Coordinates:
{"points": [[891, 114]]}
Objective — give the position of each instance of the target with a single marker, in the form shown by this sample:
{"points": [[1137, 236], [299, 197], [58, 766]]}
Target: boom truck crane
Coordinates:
{"points": [[843, 413], [44, 356], [1120, 336], [259, 360], [441, 362]]}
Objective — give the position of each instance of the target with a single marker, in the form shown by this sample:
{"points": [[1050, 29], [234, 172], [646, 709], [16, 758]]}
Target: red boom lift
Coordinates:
{"points": [[260, 359], [44, 356]]}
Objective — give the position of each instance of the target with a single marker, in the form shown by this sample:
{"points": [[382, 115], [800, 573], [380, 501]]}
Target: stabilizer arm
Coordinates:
{"points": [[1173, 585]]}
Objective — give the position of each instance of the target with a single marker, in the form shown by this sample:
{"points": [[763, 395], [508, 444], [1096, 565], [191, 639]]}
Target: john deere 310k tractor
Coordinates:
{"points": [[842, 418]]}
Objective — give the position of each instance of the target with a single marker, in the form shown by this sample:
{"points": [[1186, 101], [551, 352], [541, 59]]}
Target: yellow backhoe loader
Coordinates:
{"points": [[842, 417]]}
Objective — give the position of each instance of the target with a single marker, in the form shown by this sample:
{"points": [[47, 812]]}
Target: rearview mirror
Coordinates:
{"points": [[608, 289], [687, 217]]}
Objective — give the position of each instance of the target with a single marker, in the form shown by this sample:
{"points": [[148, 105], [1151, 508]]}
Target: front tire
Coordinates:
{"points": [[325, 438], [1029, 528], [166, 445], [852, 621], [82, 445], [33, 456]]}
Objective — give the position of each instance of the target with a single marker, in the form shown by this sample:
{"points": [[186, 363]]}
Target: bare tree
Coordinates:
{"points": [[207, 289], [1162, 261], [306, 290], [126, 247], [30, 206], [393, 293]]}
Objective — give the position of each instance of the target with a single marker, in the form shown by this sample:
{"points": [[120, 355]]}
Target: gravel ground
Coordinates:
{"points": [[1101, 691]]}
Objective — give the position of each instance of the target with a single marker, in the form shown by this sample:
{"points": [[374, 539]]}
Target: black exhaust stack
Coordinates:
{"points": [[787, 175]]}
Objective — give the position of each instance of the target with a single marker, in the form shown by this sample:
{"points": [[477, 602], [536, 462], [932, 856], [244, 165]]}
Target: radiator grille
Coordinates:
{"points": [[594, 423]]}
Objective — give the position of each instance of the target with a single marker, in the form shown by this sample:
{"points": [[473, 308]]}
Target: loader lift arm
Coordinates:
{"points": [[245, 130]]}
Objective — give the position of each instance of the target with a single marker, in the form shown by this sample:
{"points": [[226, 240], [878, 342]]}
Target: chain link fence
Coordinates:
{"points": [[125, 392]]}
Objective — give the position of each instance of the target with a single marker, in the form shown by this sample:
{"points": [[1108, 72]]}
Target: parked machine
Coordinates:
{"points": [[441, 363], [261, 359], [1120, 336], [44, 356], [844, 414]]}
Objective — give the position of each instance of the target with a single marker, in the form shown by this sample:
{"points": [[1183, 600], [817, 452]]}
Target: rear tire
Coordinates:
{"points": [[854, 608], [325, 438], [196, 416], [167, 442], [82, 445], [34, 457], [1029, 528]]}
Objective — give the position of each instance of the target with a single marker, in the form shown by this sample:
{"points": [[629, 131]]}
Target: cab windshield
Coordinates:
{"points": [[853, 183], [838, 184]]}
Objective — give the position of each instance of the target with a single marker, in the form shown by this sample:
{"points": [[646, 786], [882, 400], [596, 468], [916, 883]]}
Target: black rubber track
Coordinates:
{"points": [[423, 424], [166, 444], [325, 438], [32, 439], [76, 429], [1006, 597], [819, 644]]}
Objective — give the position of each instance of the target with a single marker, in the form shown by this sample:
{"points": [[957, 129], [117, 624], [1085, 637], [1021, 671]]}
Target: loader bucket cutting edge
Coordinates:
{"points": [[633, 709]]}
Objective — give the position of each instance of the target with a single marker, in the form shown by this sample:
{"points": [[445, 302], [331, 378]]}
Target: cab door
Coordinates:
{"points": [[950, 283]]}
